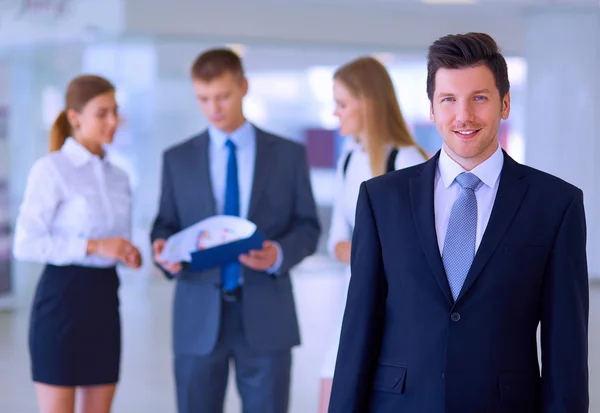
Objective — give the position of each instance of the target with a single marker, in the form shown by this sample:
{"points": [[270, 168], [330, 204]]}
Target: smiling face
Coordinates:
{"points": [[467, 110]]}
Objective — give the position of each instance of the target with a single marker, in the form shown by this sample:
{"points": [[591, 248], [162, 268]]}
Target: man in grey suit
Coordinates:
{"points": [[243, 312]]}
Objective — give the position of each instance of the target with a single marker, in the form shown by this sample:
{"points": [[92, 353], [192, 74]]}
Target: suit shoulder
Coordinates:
{"points": [[543, 181], [394, 179], [283, 144], [183, 147]]}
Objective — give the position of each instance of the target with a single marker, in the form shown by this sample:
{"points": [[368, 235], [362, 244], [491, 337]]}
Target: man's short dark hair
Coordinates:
{"points": [[215, 63], [459, 51]]}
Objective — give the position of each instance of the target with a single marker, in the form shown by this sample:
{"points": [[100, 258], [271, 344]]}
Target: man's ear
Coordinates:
{"points": [[505, 106], [244, 85]]}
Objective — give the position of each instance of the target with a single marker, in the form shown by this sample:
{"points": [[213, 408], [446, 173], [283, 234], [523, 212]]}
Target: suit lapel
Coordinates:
{"points": [[263, 164], [421, 196], [198, 168], [511, 190]]}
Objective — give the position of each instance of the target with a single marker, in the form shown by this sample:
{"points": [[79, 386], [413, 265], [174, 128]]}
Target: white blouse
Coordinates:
{"points": [[347, 188], [72, 196]]}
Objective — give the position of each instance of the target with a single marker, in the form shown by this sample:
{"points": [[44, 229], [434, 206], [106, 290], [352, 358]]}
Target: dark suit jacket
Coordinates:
{"points": [[283, 208], [407, 347]]}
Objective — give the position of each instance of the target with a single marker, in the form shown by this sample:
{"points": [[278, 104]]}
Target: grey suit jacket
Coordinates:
{"points": [[283, 208]]}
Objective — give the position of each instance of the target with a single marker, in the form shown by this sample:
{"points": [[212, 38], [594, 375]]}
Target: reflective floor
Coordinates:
{"points": [[147, 385]]}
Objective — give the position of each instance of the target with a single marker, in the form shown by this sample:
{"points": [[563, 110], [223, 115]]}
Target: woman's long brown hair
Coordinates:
{"points": [[368, 80]]}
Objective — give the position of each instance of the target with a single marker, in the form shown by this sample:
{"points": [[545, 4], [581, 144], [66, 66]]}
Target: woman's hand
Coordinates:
{"points": [[116, 248], [342, 251]]}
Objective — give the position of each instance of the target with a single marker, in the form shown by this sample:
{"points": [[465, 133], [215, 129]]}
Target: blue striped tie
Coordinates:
{"points": [[459, 244], [230, 274]]}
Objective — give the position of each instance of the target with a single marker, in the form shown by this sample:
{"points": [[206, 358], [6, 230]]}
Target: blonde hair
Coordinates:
{"points": [[80, 91], [368, 80]]}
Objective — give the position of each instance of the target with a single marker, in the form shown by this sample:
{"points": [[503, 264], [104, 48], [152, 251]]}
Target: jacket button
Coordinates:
{"points": [[455, 317]]}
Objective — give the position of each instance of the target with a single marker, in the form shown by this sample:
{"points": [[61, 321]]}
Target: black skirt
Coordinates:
{"points": [[75, 330]]}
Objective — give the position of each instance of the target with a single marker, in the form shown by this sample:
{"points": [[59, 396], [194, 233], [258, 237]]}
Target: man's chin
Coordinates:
{"points": [[462, 150], [219, 123]]}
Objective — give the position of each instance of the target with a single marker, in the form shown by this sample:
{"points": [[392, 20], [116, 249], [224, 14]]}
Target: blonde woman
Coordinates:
{"points": [[368, 110]]}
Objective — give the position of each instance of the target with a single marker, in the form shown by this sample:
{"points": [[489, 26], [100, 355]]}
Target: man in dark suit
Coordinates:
{"points": [[245, 311], [456, 261]]}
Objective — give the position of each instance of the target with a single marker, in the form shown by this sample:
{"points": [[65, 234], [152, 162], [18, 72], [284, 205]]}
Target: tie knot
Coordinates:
{"points": [[468, 180], [230, 145]]}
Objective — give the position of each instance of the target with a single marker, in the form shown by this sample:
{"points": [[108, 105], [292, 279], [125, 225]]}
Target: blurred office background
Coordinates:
{"points": [[290, 49]]}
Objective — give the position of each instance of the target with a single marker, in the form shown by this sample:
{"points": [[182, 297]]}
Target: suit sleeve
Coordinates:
{"points": [[301, 239], [364, 316], [564, 321], [166, 222]]}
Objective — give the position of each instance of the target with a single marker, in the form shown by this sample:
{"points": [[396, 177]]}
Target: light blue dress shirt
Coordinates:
{"points": [[244, 139]]}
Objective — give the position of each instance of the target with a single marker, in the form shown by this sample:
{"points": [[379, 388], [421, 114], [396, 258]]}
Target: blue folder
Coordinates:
{"points": [[226, 253]]}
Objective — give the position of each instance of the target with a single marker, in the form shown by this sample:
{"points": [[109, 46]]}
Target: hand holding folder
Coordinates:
{"points": [[157, 248], [213, 242], [263, 259]]}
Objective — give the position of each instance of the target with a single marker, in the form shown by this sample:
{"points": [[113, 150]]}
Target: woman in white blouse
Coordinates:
{"points": [[368, 110], [75, 218]]}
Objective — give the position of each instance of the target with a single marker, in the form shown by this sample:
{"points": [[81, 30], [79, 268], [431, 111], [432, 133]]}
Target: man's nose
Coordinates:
{"points": [[465, 112]]}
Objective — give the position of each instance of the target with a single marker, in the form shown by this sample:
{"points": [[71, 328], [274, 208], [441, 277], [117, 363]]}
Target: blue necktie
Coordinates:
{"points": [[230, 275], [459, 244]]}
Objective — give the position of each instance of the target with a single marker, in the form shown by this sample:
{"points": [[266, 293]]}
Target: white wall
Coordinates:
{"points": [[79, 20], [563, 108], [316, 23]]}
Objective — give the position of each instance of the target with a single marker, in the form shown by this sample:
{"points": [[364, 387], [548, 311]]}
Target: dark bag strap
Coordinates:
{"points": [[390, 166], [346, 162], [391, 161]]}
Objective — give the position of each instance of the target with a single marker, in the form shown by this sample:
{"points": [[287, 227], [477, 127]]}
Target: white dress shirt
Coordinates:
{"points": [[244, 139], [72, 196], [347, 188], [447, 190]]}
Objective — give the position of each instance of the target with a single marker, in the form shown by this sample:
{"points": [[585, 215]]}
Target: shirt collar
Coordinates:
{"points": [[77, 153], [241, 137], [488, 171]]}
